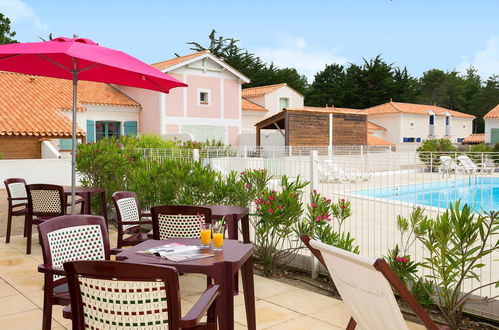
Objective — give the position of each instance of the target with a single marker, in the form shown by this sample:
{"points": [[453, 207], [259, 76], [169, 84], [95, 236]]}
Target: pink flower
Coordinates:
{"points": [[319, 218], [399, 259], [326, 216], [405, 259], [342, 200], [313, 205], [267, 202], [329, 201], [271, 211], [247, 185], [242, 173], [315, 191], [343, 206], [279, 207], [271, 197]]}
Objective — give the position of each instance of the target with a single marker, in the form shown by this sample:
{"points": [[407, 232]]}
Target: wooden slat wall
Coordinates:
{"points": [[312, 129], [20, 147]]}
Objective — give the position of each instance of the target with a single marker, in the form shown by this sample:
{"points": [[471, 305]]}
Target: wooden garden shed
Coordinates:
{"points": [[311, 126]]}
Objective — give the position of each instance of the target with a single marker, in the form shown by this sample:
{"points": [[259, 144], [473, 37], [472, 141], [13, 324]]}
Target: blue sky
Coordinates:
{"points": [[419, 34]]}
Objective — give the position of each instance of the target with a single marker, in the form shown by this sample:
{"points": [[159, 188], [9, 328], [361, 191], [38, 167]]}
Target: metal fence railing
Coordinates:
{"points": [[381, 184]]}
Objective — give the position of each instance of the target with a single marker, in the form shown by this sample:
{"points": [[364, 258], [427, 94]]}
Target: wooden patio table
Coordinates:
{"points": [[86, 193], [221, 268]]}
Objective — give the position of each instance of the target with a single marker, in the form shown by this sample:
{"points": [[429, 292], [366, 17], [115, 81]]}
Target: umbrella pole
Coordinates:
{"points": [[73, 141]]}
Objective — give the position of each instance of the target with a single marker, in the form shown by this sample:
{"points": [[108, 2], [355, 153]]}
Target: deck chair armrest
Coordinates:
{"points": [[48, 269], [191, 319]]}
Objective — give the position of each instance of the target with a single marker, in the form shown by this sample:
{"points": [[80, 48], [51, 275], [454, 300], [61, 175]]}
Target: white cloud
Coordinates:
{"points": [[296, 53], [19, 12], [485, 61]]}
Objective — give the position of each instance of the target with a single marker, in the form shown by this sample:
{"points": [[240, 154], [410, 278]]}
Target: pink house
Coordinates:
{"points": [[210, 108]]}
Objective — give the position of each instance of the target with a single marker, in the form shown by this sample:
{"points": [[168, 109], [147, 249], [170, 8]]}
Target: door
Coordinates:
{"points": [[494, 135]]}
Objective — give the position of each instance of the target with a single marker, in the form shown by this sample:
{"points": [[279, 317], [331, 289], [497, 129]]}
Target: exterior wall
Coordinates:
{"points": [[51, 171], [149, 117], [460, 127], [184, 114], [489, 125], [250, 118], [272, 100], [392, 123], [312, 129], [20, 147]]}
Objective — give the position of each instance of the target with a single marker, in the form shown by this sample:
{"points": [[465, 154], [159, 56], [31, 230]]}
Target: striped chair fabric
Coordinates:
{"points": [[75, 243], [115, 304], [181, 226], [18, 190], [129, 211]]}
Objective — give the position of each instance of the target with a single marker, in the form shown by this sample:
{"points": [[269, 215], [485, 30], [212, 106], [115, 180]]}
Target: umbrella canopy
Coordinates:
{"points": [[82, 59]]}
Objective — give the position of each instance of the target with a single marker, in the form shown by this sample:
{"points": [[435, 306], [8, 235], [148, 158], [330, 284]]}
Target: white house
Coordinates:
{"points": [[259, 103], [408, 124], [492, 126], [208, 109]]}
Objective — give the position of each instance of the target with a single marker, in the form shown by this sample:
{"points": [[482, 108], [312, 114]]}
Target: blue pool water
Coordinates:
{"points": [[481, 193]]}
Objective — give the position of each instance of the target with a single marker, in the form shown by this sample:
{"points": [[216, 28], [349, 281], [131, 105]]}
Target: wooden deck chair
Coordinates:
{"points": [[366, 289]]}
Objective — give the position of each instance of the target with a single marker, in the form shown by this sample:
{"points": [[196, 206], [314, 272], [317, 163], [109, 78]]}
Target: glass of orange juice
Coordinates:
{"points": [[218, 236], [205, 235]]}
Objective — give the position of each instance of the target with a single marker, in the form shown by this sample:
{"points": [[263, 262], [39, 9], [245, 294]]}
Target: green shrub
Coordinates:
{"points": [[457, 241], [431, 150], [148, 141], [278, 214]]}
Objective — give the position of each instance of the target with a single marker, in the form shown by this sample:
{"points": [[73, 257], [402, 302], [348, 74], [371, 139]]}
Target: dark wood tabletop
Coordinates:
{"points": [[222, 268]]}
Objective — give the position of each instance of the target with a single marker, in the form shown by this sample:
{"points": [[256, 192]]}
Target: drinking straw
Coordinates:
{"points": [[200, 220], [221, 224]]}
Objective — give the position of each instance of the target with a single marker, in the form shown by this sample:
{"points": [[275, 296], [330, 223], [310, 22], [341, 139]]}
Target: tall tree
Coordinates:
{"points": [[249, 64], [328, 87], [6, 35]]}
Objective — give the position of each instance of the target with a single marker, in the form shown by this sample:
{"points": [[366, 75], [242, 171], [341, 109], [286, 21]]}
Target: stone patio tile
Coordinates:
{"points": [[57, 316], [7, 290], [337, 315], [267, 314], [191, 285], [27, 320], [303, 301], [14, 267], [15, 304], [28, 283], [265, 287], [304, 323]]}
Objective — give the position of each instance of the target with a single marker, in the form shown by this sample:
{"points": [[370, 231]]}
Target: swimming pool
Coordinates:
{"points": [[481, 193]]}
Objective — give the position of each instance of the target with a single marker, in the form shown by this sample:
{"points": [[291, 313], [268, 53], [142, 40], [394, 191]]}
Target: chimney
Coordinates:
{"points": [[390, 100], [326, 105]]}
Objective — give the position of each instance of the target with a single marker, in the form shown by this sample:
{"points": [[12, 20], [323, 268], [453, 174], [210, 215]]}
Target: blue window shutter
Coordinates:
{"points": [[65, 144], [130, 128], [418, 139], [90, 131], [406, 139]]}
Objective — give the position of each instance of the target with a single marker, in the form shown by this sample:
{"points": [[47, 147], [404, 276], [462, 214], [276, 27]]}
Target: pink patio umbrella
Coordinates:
{"points": [[82, 59]]}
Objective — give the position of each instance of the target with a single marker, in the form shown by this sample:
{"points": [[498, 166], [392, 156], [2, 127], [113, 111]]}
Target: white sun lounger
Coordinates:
{"points": [[470, 166], [366, 289], [329, 171]]}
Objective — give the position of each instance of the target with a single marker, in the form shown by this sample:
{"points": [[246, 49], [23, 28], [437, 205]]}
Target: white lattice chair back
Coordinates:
{"points": [[18, 190], [364, 290], [46, 201], [115, 304], [181, 226], [75, 243], [129, 211]]}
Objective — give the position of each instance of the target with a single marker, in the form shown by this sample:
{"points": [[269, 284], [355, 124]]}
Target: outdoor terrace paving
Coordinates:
{"points": [[278, 305]]}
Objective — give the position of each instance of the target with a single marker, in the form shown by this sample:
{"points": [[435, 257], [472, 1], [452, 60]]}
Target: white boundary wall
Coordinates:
{"points": [[53, 171]]}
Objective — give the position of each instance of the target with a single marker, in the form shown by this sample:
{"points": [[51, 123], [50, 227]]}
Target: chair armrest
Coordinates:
{"points": [[197, 311], [17, 198], [116, 251], [48, 269], [140, 222]]}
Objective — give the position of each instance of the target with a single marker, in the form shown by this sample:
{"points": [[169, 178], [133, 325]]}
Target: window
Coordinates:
{"points": [[283, 103], [447, 121], [204, 97], [432, 119], [107, 129], [409, 139]]}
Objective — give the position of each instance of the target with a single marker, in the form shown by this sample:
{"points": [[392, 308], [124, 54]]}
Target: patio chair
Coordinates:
{"points": [[118, 295], [17, 203], [470, 166], [366, 289], [178, 221], [45, 201], [448, 165], [68, 238], [329, 171], [129, 216]]}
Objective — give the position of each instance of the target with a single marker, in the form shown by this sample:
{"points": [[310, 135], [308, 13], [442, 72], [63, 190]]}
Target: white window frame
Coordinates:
{"points": [[208, 92]]}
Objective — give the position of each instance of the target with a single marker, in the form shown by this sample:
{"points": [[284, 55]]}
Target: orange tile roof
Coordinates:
{"points": [[168, 63], [374, 127], [376, 141], [251, 106], [419, 109], [262, 90], [33, 105], [474, 139], [329, 110], [494, 113]]}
